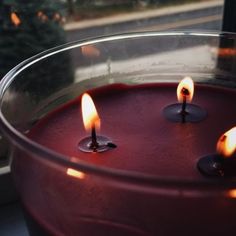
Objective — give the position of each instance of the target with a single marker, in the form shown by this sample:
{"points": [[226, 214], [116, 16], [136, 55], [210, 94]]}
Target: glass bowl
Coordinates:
{"points": [[149, 184]]}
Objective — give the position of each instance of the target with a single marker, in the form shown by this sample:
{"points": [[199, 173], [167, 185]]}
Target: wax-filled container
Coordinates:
{"points": [[133, 168]]}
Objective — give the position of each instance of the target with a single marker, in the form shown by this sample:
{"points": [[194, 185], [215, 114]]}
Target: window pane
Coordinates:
{"points": [[93, 18], [29, 27]]}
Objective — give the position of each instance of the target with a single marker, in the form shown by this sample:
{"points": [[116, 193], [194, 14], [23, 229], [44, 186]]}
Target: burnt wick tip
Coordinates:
{"points": [[111, 145]]}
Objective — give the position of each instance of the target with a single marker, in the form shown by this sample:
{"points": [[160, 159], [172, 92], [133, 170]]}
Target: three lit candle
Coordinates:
{"points": [[213, 165]]}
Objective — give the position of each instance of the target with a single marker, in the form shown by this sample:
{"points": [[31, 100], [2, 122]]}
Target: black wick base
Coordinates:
{"points": [[217, 166], [192, 113], [102, 144]]}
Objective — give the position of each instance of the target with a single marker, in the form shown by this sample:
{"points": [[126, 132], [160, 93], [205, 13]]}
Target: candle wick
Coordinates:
{"points": [[183, 112], [94, 144]]}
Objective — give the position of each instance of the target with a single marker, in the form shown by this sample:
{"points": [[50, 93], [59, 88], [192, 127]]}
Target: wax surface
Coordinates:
{"points": [[146, 142]]}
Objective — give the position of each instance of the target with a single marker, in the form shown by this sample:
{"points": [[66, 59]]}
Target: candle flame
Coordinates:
{"points": [[89, 113], [231, 193], [185, 89], [90, 51], [15, 19], [75, 173], [223, 52], [226, 144]]}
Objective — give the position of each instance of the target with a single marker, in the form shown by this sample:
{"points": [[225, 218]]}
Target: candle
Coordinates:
{"points": [[184, 112], [92, 122], [150, 183], [147, 144], [125, 117], [222, 164]]}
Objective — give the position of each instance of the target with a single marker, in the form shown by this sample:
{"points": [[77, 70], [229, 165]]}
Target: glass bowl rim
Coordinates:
{"points": [[122, 176]]}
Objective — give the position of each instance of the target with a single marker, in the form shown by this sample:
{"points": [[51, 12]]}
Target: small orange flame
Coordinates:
{"points": [[89, 113], [231, 193], [15, 19], [90, 51], [42, 16], [224, 52], [56, 17], [185, 89], [75, 173], [40, 13], [226, 144]]}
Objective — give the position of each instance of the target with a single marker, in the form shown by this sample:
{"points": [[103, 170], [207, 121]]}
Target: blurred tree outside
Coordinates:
{"points": [[28, 28]]}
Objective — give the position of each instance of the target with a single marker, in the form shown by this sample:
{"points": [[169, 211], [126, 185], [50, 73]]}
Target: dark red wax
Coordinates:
{"points": [[146, 142]]}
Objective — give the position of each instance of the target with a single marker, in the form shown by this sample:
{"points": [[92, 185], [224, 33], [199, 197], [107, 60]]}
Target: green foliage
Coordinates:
{"points": [[38, 27]]}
